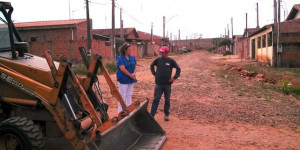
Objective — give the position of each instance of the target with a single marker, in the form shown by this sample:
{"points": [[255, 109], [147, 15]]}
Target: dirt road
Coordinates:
{"points": [[212, 108]]}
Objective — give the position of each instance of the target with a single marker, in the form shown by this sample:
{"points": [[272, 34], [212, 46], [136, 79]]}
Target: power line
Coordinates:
{"points": [[131, 16], [100, 3]]}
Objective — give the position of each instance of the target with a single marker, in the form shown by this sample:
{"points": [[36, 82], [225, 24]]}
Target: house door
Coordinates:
{"points": [[142, 51], [242, 54], [253, 49], [235, 49]]}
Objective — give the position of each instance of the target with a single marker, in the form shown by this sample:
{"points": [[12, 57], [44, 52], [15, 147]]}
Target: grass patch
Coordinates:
{"points": [[81, 69], [111, 68], [246, 90], [286, 71], [223, 73], [294, 91], [223, 59], [251, 67], [275, 72], [285, 75]]}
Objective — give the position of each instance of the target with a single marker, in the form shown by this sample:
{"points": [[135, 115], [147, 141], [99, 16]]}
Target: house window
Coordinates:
{"points": [[270, 39], [264, 41], [259, 42], [33, 39]]}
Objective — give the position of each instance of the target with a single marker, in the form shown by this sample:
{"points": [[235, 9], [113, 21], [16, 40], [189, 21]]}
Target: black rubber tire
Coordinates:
{"points": [[28, 134]]}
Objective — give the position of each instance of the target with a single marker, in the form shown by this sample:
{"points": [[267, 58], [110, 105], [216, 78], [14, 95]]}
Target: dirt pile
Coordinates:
{"points": [[250, 75]]}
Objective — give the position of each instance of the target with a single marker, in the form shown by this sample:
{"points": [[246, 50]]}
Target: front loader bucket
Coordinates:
{"points": [[138, 131]]}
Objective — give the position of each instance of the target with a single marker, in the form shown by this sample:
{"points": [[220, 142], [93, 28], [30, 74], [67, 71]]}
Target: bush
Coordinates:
{"points": [[211, 49], [81, 69], [111, 67], [285, 88], [250, 67], [227, 53]]}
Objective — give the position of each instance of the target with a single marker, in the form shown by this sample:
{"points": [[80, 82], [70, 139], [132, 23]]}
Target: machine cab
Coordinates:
{"points": [[11, 45]]}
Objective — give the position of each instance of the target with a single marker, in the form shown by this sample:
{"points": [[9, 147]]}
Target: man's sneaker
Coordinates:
{"points": [[166, 118]]}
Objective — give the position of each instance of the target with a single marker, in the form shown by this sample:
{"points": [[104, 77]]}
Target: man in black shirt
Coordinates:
{"points": [[163, 80]]}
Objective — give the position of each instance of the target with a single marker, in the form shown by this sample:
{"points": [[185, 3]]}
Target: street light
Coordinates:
{"points": [[171, 18], [164, 26]]}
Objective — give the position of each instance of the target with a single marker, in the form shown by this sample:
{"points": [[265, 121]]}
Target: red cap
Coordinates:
{"points": [[164, 49]]}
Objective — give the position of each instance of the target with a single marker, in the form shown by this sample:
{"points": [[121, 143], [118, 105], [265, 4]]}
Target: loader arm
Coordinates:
{"points": [[96, 62]]}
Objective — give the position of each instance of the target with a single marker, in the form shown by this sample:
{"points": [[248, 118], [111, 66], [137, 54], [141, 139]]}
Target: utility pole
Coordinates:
{"points": [[121, 25], [247, 36], [171, 45], [232, 35], [246, 25], [167, 34], [257, 15], [175, 40], [164, 23], [275, 12], [105, 22], [88, 28], [69, 10], [231, 27], [113, 52], [178, 34], [228, 30], [152, 33], [186, 45], [274, 31], [170, 38], [279, 50]]}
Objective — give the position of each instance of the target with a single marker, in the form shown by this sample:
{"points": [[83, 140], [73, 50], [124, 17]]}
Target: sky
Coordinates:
{"points": [[193, 18]]}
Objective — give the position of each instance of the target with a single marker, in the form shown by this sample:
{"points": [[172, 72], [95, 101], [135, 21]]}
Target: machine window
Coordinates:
{"points": [[4, 34]]}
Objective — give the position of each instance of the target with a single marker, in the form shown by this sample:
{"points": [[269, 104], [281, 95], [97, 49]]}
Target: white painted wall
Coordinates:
{"points": [[266, 51]]}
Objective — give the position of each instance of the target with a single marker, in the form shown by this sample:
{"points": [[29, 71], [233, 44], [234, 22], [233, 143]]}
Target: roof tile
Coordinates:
{"points": [[147, 36], [297, 6], [107, 32], [49, 23]]}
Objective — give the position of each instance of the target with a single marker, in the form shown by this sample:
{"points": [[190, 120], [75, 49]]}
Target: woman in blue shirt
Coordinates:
{"points": [[126, 67]]}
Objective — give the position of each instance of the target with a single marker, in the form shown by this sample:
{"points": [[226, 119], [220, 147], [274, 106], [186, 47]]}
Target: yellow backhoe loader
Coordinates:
{"points": [[45, 105]]}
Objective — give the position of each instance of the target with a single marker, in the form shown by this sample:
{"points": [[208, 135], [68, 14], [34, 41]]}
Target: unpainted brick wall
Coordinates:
{"points": [[196, 43], [152, 49], [68, 49], [291, 55], [242, 48]]}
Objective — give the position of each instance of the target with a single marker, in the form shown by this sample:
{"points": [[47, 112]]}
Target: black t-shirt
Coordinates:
{"points": [[163, 71]]}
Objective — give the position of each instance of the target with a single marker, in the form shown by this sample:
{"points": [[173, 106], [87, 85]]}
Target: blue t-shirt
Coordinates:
{"points": [[129, 66]]}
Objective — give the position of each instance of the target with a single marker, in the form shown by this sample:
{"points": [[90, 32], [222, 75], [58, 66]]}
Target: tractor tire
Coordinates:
{"points": [[18, 133]]}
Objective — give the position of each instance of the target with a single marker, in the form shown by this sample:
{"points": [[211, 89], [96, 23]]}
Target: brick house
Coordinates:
{"points": [[235, 41], [263, 45], [151, 49], [243, 45], [61, 37], [200, 43], [130, 36]]}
